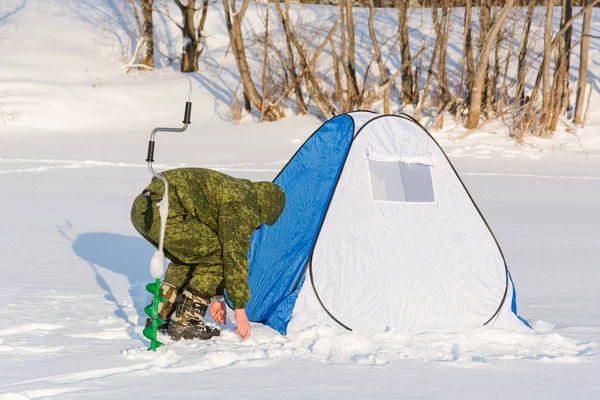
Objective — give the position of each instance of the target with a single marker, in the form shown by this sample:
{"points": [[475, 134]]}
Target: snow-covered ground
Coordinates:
{"points": [[73, 134]]}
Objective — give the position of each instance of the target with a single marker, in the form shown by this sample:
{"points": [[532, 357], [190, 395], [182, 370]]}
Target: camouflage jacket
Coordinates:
{"points": [[230, 209]]}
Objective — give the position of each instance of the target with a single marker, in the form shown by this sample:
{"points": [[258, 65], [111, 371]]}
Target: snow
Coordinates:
{"points": [[73, 135]]}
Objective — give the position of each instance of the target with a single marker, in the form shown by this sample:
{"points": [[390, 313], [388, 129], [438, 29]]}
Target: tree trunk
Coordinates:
{"points": [[583, 64], [308, 71], [492, 88], [482, 66], [265, 65], [352, 84], [203, 16], [468, 51], [503, 99], [344, 56], [442, 88], [437, 27], [432, 61], [561, 73], [546, 89], [337, 73], [148, 54], [568, 14], [408, 96], [234, 27], [521, 74], [189, 57], [485, 21], [382, 72], [443, 94], [291, 65]]}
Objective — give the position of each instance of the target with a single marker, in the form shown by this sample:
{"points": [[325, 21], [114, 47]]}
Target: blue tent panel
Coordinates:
{"points": [[279, 253], [282, 315], [513, 306]]}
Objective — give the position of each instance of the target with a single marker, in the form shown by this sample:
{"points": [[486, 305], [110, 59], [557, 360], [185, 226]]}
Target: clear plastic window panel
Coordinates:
{"points": [[401, 182]]}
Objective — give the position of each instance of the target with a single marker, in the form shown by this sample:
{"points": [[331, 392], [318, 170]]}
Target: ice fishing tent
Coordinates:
{"points": [[379, 233]]}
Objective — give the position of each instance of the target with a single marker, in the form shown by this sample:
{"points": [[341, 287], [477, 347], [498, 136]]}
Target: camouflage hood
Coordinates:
{"points": [[271, 199]]}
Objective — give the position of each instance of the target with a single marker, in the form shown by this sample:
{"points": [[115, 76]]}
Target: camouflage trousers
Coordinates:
{"points": [[193, 249]]}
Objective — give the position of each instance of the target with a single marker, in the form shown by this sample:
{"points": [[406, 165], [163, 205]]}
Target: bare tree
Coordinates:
{"points": [[193, 36], [145, 46], [521, 70], [485, 22], [351, 42], [560, 85], [568, 14], [482, 65], [189, 57], [583, 64], [408, 96], [148, 28], [432, 61], [234, 27], [541, 120], [378, 58], [265, 66], [308, 73], [546, 88], [291, 62], [442, 26], [493, 82], [469, 59], [443, 92], [503, 99], [200, 30], [348, 48]]}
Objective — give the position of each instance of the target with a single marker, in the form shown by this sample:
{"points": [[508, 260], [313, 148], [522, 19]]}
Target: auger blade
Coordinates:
{"points": [[149, 310], [149, 333], [155, 344], [151, 287]]}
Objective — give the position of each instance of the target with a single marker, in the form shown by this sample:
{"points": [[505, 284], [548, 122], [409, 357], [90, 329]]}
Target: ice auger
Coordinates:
{"points": [[157, 265]]}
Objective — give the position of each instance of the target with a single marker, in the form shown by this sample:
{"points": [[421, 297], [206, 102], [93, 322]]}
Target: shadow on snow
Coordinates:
{"points": [[122, 254]]}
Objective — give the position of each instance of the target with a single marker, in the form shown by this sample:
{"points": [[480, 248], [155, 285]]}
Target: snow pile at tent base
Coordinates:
{"points": [[379, 233]]}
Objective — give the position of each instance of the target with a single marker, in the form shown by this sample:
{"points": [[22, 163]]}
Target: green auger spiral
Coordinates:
{"points": [[152, 312]]}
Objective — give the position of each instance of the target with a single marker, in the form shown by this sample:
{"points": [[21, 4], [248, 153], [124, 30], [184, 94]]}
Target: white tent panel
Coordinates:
{"points": [[362, 117], [402, 264], [506, 319]]}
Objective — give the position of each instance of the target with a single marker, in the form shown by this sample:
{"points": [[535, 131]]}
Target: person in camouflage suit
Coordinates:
{"points": [[211, 219]]}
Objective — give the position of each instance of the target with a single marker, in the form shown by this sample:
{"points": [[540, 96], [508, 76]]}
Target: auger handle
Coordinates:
{"points": [[188, 113], [151, 144], [150, 157]]}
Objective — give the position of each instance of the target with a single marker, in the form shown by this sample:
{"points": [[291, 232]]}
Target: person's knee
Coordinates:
{"points": [[178, 275], [207, 278]]}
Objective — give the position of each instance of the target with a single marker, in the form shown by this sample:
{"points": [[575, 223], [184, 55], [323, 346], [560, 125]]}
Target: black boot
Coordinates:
{"points": [[187, 322], [166, 308]]}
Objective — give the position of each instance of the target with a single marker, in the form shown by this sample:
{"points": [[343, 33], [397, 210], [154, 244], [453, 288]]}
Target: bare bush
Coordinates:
{"points": [[335, 66]]}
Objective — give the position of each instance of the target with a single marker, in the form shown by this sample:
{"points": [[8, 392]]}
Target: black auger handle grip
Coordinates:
{"points": [[150, 157], [188, 113]]}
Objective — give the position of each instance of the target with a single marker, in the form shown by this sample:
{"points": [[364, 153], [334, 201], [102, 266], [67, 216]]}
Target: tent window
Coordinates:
{"points": [[401, 182]]}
